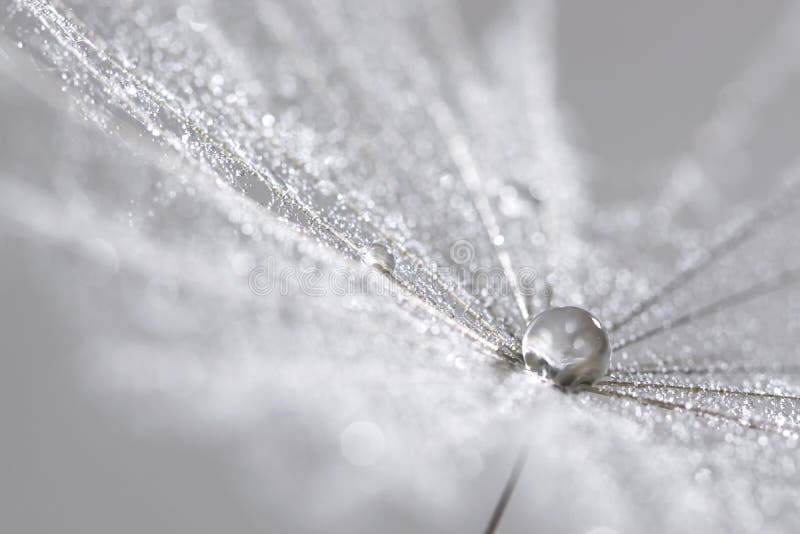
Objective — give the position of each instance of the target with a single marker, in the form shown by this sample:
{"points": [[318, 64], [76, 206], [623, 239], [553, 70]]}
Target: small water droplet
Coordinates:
{"points": [[568, 345], [326, 187], [268, 121], [362, 443], [378, 256]]}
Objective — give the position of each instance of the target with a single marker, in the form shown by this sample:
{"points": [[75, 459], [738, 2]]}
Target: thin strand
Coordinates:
{"points": [[781, 281], [721, 369], [468, 172], [508, 489], [785, 431], [772, 211], [694, 388]]}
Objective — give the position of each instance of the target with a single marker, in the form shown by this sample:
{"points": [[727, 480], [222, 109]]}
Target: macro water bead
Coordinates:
{"points": [[568, 345], [378, 256]]}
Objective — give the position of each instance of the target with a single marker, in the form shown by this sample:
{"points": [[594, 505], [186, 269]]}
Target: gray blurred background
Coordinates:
{"points": [[642, 84]]}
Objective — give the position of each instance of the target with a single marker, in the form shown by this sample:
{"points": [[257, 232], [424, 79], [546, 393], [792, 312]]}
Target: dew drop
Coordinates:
{"points": [[268, 121], [567, 345], [378, 256], [362, 443]]}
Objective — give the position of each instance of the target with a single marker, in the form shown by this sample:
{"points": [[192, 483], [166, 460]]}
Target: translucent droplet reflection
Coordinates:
{"points": [[362, 443], [378, 256], [568, 345]]}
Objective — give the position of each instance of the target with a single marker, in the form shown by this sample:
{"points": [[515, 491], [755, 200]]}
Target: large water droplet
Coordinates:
{"points": [[568, 345], [378, 256]]}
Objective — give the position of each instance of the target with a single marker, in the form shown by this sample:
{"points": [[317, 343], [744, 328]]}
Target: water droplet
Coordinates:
{"points": [[326, 187], [362, 443], [268, 121], [568, 345], [378, 256]]}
